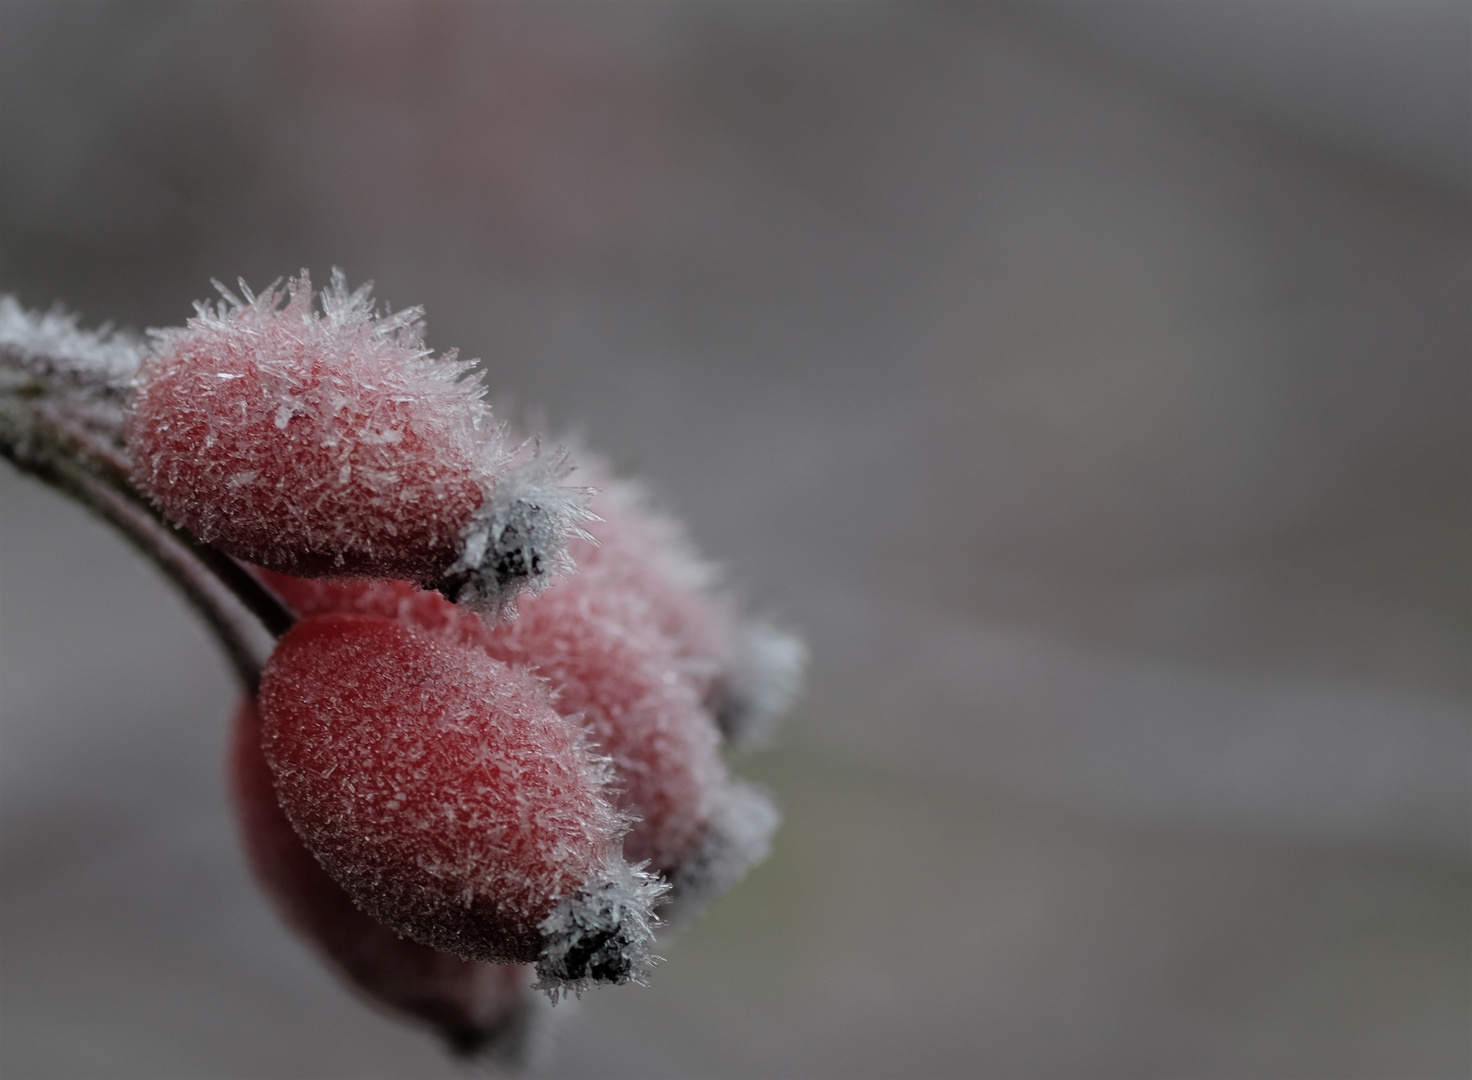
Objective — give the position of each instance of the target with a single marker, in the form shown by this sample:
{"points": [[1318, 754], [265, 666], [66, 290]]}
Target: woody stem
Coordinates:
{"points": [[56, 433]]}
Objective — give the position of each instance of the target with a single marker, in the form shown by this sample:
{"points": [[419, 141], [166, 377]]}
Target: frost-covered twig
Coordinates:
{"points": [[62, 417]]}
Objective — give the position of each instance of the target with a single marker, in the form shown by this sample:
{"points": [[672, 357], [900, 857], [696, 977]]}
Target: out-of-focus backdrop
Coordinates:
{"points": [[1088, 381]]}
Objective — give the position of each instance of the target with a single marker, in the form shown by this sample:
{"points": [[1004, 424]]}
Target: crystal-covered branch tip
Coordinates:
{"points": [[52, 347], [326, 440], [62, 390]]}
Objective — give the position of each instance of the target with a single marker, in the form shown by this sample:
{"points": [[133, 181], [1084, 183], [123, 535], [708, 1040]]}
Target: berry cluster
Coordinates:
{"points": [[492, 736], [486, 745]]}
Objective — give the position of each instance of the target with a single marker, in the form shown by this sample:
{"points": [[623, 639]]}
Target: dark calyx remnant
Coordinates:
{"points": [[514, 555], [595, 936], [519, 553], [598, 956]]}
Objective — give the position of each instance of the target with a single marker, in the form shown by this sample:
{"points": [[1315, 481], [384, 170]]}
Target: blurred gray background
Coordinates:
{"points": [[1088, 381]]}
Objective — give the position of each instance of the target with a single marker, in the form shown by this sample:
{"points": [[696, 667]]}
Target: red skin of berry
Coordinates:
{"points": [[641, 555], [312, 452], [747, 671], [473, 1005], [602, 649], [600, 646], [437, 786]]}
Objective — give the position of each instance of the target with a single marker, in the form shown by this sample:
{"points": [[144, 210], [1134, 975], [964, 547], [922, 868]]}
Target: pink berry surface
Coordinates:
{"points": [[647, 556], [600, 646], [474, 1006], [608, 664], [436, 785], [314, 444], [747, 671]]}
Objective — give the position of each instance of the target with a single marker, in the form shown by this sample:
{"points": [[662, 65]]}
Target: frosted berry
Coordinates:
{"points": [[336, 444], [748, 671], [637, 653], [610, 664], [442, 791], [422, 788], [476, 1007]]}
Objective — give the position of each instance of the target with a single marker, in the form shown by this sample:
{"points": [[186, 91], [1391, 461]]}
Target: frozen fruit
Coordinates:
{"points": [[476, 1007], [334, 443], [610, 665], [443, 792], [437, 800], [747, 670]]}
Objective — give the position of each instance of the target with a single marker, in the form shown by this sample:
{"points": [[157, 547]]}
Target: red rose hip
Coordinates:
{"points": [[448, 798], [335, 444], [476, 1007], [747, 670], [610, 664]]}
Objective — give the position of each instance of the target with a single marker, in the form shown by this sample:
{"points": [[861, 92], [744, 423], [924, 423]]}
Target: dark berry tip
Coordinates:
{"points": [[600, 934]]}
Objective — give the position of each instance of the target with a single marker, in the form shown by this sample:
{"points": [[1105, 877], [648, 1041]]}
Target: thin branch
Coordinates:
{"points": [[68, 433], [233, 625]]}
